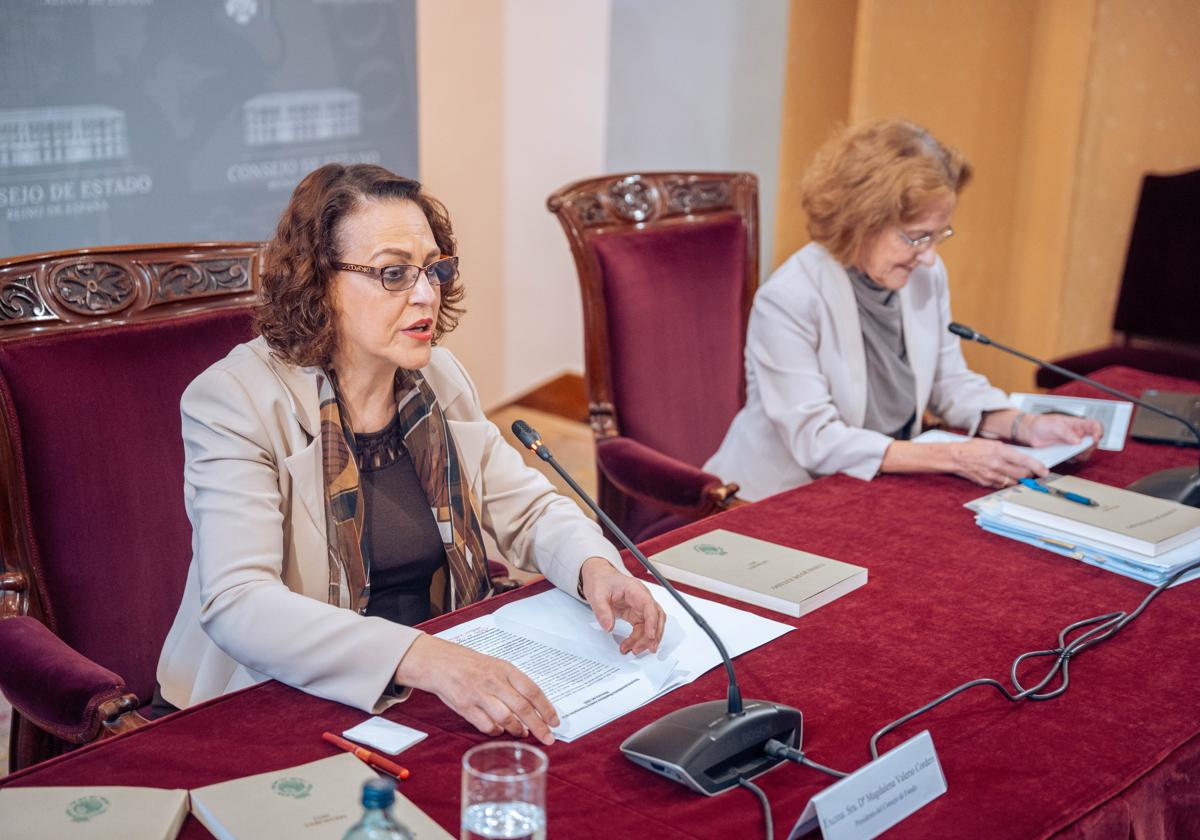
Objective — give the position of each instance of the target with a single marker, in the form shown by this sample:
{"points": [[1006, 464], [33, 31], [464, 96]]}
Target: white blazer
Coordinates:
{"points": [[806, 377], [256, 603]]}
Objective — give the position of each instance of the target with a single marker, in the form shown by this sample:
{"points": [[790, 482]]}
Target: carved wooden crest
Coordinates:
{"points": [[71, 289], [93, 288]]}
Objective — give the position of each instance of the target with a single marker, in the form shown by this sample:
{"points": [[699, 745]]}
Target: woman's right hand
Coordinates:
{"points": [[493, 695], [990, 463]]}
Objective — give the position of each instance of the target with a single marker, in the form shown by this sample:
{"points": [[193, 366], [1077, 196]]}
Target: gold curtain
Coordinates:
{"points": [[1061, 105]]}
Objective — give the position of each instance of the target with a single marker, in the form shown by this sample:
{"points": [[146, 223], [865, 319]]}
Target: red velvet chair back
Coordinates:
{"points": [[96, 349], [668, 266]]}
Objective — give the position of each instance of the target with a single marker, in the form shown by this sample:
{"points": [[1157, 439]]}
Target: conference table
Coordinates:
{"points": [[1117, 755]]}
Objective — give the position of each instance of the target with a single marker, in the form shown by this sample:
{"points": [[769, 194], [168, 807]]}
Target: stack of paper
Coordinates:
{"points": [[557, 643], [1129, 533]]}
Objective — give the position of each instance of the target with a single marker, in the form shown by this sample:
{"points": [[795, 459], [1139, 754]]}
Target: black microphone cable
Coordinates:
{"points": [[778, 749], [1102, 628], [763, 801]]}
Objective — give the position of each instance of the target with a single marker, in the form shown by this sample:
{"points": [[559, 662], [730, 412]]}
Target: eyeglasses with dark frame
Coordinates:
{"points": [[924, 243], [402, 277]]}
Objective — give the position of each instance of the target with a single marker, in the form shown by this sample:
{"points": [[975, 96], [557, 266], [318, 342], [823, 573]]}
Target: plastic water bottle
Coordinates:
{"points": [[377, 822]]}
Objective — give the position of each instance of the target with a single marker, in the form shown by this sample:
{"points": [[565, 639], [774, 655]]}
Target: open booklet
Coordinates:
{"points": [[1113, 414], [557, 642]]}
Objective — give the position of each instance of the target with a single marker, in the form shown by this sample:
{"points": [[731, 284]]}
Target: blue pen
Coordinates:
{"points": [[1033, 484]]}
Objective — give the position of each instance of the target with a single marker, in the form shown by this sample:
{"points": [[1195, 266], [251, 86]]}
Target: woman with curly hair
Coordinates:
{"points": [[848, 344], [340, 474]]}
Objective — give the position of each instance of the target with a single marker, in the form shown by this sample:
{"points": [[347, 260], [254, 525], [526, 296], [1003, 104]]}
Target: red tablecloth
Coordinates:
{"points": [[1117, 755]]}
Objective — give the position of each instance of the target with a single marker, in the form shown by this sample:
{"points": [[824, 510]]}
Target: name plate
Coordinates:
{"points": [[878, 795]]}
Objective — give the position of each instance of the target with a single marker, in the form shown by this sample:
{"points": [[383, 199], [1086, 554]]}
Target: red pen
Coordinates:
{"points": [[372, 759]]}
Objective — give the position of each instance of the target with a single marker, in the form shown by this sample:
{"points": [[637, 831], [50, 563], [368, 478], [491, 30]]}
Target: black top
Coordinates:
{"points": [[399, 528]]}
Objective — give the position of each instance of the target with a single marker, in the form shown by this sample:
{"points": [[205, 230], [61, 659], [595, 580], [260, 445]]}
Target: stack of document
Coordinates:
{"points": [[557, 643], [1129, 533]]}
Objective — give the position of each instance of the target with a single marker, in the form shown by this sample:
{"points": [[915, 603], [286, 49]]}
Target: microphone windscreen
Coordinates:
{"points": [[525, 434], [963, 331]]}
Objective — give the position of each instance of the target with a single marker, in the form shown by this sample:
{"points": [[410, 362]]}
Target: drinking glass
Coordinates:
{"points": [[504, 792]]}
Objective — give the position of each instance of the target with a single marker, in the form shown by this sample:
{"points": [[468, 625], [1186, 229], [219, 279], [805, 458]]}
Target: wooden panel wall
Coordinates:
{"points": [[1060, 104]]}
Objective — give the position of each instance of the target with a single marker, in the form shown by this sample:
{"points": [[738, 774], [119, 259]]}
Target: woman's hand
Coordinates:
{"points": [[1048, 429], [613, 595], [493, 695], [990, 463]]}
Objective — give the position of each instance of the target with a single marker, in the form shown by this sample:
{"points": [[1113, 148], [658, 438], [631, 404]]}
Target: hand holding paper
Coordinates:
{"points": [[613, 596], [1049, 456], [492, 694], [1061, 430]]}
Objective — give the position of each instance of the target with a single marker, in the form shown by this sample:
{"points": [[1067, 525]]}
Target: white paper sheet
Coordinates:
{"points": [[384, 735], [1114, 415], [1050, 456], [557, 642]]}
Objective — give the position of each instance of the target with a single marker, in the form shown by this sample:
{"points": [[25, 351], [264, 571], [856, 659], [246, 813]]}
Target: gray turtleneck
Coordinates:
{"points": [[891, 387]]}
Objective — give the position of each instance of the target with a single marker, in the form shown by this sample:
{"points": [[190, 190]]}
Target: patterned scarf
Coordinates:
{"points": [[435, 455]]}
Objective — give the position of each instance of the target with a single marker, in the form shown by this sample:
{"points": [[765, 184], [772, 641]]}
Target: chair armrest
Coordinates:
{"points": [[657, 479], [501, 581], [55, 687], [14, 593]]}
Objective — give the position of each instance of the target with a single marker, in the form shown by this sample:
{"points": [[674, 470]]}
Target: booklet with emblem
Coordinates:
{"points": [[92, 812], [1122, 518], [768, 575], [321, 799]]}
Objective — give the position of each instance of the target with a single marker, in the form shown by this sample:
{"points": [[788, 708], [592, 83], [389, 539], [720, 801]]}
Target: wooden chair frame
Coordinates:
{"points": [[60, 292], [645, 201]]}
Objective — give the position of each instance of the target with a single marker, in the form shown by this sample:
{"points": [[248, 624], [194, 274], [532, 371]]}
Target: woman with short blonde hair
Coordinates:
{"points": [[848, 343]]}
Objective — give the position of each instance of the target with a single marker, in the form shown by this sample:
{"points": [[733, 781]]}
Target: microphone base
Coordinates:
{"points": [[705, 748], [1179, 484]]}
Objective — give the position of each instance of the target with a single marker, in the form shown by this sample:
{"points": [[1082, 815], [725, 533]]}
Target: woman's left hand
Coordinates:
{"points": [[613, 595], [1049, 429]]}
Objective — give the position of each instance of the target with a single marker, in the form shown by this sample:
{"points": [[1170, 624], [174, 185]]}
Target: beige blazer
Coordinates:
{"points": [[806, 377], [256, 603]]}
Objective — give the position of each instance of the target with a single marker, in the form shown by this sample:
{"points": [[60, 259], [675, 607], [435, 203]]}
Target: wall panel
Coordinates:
{"points": [[1061, 105]]}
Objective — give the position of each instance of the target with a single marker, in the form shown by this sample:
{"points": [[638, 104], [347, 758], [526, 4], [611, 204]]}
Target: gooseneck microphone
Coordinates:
{"points": [[1179, 484], [532, 441], [710, 746]]}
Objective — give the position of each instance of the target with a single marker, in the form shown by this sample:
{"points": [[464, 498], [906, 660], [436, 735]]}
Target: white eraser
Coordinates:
{"points": [[384, 735]]}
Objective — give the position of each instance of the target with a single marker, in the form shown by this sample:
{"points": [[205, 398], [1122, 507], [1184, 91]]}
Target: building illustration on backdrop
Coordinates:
{"points": [[62, 135], [301, 116]]}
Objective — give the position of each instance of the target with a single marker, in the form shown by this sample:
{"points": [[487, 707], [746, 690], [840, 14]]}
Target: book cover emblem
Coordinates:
{"points": [[86, 807], [292, 786], [709, 548]]}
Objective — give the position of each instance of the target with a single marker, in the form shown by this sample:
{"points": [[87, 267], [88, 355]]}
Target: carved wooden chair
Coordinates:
{"points": [[668, 267], [96, 348], [1156, 310]]}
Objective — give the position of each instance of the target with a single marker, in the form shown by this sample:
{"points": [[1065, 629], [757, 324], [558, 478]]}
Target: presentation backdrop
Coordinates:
{"points": [[127, 121]]}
